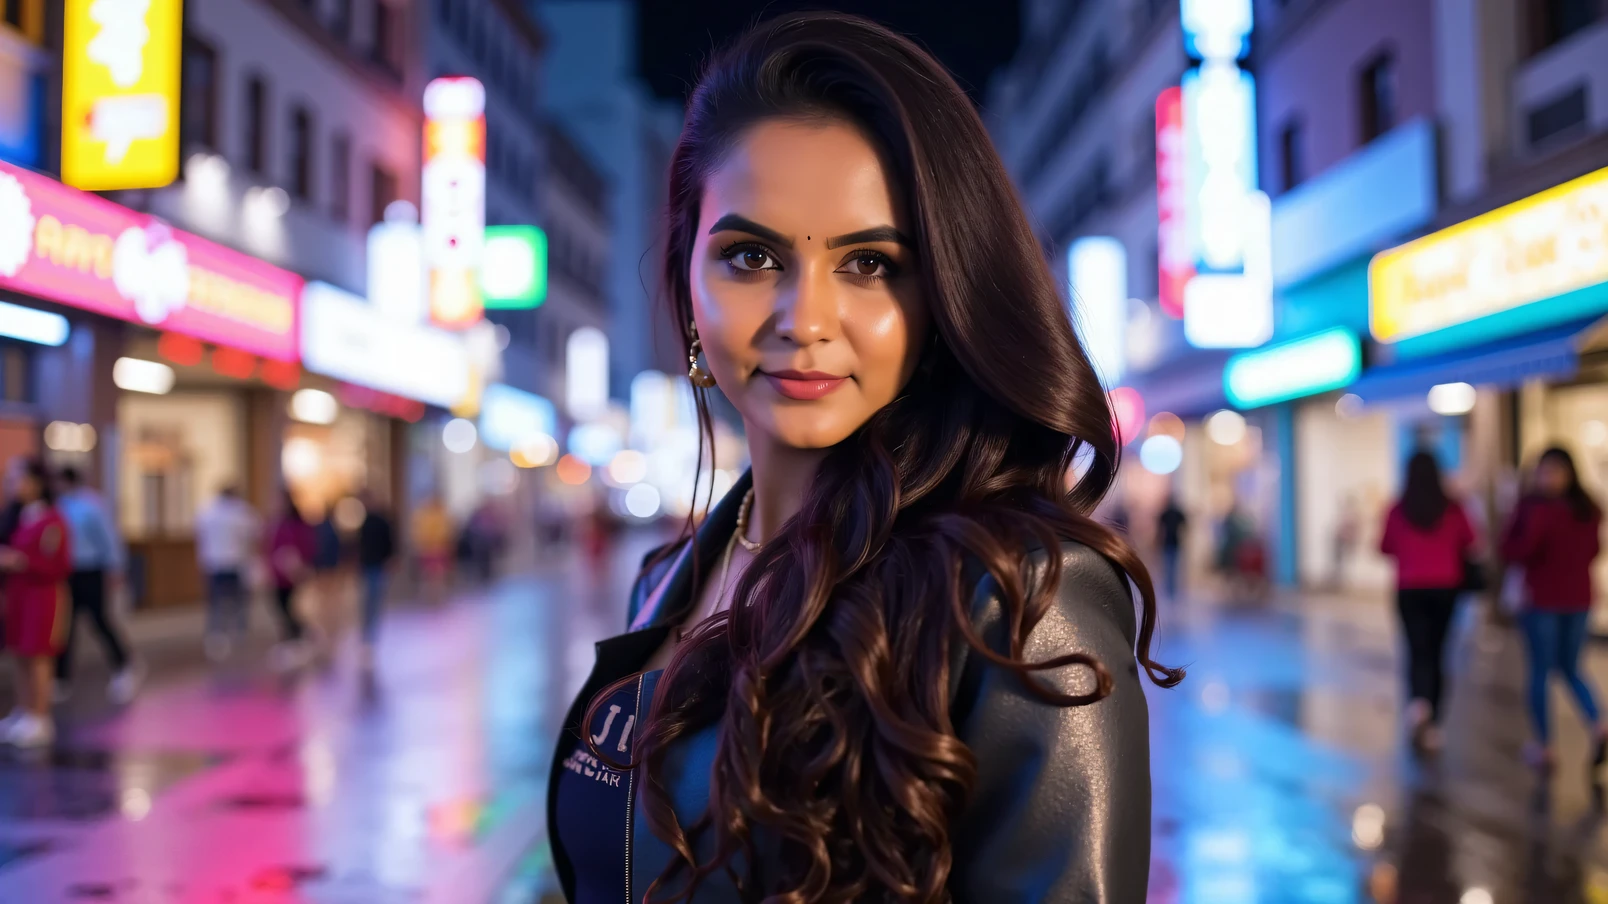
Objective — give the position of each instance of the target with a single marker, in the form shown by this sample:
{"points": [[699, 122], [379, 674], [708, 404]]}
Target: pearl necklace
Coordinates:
{"points": [[741, 533]]}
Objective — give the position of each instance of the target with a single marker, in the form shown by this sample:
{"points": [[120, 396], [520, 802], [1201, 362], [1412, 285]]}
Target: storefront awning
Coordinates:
{"points": [[1553, 353]]}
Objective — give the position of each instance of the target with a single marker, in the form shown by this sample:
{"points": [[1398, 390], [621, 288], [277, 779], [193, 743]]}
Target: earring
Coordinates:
{"points": [[700, 377]]}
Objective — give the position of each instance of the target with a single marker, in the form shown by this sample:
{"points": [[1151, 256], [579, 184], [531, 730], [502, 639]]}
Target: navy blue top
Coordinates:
{"points": [[595, 802]]}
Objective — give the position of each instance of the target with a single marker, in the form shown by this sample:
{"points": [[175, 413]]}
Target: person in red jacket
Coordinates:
{"points": [[36, 559], [1429, 535], [1554, 536], [292, 547]]}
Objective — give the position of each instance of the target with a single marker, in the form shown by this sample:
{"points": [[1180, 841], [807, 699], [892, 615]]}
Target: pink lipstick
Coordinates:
{"points": [[804, 386]]}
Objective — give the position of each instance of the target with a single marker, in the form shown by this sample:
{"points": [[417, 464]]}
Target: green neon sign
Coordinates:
{"points": [[1324, 361], [513, 268]]}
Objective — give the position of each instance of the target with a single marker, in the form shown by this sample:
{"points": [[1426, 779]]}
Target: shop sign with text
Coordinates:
{"points": [[1528, 255], [120, 93], [81, 250]]}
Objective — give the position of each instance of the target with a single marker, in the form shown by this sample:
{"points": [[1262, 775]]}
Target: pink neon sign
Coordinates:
{"points": [[1172, 235], [82, 250]]}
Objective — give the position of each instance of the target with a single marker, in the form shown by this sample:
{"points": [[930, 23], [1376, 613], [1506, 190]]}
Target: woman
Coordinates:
{"points": [[898, 658], [1430, 537], [37, 560], [1554, 536], [292, 547]]}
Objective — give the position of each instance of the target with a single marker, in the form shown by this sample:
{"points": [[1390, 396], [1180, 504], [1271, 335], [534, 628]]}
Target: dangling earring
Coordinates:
{"points": [[700, 378]]}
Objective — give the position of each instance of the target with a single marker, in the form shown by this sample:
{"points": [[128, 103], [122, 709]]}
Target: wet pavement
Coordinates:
{"points": [[1280, 776]]}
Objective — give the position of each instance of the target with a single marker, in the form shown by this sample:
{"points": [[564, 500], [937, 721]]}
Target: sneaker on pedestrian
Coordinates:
{"points": [[31, 732], [218, 647], [126, 683]]}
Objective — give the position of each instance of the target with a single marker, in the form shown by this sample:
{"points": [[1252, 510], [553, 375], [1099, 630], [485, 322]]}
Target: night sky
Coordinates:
{"points": [[971, 37]]}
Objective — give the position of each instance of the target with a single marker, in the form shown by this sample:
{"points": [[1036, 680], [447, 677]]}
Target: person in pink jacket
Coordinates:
{"points": [[292, 545], [1430, 536]]}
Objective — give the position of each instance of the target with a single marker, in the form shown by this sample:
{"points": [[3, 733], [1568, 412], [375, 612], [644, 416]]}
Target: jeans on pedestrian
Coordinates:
{"points": [[1553, 640], [226, 604], [1426, 616], [373, 601], [1170, 564], [88, 591]]}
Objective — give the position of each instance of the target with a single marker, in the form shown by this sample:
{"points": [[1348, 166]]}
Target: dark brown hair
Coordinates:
{"points": [[829, 676], [1423, 497], [1581, 505]]}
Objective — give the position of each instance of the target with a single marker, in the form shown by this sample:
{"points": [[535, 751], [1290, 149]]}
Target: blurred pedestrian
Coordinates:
{"points": [[433, 545], [1430, 537], [1555, 536], [1170, 538], [376, 546], [226, 538], [292, 547], [321, 599], [99, 555], [37, 560], [1347, 534], [484, 538]]}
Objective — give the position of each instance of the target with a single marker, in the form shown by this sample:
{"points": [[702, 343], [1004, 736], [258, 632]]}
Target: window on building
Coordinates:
{"points": [[384, 50], [340, 177], [1292, 155], [1378, 91], [382, 191], [340, 22], [198, 102], [255, 117], [301, 153], [1554, 21], [1564, 114]]}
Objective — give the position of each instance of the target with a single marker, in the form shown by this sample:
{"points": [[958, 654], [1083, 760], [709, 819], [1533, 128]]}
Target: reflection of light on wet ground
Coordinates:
{"points": [[318, 770]]}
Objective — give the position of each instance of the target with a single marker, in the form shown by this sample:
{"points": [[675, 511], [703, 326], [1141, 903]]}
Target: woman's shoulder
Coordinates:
{"points": [[1091, 594]]}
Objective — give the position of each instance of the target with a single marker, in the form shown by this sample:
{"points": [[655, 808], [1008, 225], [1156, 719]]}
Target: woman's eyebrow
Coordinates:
{"points": [[874, 234], [739, 223]]}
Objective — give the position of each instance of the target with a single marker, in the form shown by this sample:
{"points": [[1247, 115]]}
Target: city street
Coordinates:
{"points": [[1279, 775]]}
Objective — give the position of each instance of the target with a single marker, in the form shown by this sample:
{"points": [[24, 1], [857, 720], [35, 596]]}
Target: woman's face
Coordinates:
{"points": [[1552, 477], [804, 283]]}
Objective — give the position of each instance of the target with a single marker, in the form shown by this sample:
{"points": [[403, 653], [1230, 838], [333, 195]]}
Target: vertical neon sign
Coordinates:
{"points": [[453, 196], [1175, 262], [1228, 301]]}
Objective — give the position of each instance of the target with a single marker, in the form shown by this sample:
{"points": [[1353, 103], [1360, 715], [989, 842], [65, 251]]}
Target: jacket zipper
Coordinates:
{"points": [[630, 800]]}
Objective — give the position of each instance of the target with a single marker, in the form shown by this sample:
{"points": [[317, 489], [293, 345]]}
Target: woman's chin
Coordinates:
{"points": [[806, 429]]}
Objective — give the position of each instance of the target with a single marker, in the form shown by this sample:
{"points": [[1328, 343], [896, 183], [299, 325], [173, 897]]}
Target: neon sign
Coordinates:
{"points": [[82, 250], [1228, 302], [1312, 364], [1545, 246], [453, 209], [120, 93], [1099, 271], [1175, 263]]}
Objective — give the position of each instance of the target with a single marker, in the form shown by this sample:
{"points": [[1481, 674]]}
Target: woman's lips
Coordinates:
{"points": [[805, 386]]}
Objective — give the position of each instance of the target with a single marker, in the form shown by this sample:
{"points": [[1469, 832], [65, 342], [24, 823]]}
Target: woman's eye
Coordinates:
{"points": [[870, 266], [751, 260]]}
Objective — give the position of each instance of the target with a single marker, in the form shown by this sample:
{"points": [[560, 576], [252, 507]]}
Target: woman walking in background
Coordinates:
{"points": [[292, 548], [1554, 536], [1429, 535], [37, 559]]}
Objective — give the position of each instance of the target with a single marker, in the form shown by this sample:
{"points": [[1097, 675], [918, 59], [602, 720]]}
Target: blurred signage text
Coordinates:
{"points": [[120, 93], [82, 250], [1548, 245], [453, 196]]}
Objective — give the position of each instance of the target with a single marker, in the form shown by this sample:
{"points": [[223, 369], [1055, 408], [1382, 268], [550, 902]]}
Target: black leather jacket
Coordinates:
{"points": [[1061, 810]]}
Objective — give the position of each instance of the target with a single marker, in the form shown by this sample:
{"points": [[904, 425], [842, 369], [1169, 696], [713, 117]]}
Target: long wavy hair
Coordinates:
{"points": [[829, 675]]}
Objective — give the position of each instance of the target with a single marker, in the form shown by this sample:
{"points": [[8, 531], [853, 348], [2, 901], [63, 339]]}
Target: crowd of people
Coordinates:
{"points": [[65, 567], [1547, 548]]}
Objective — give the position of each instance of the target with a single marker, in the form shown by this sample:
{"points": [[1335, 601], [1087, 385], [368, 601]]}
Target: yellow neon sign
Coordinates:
{"points": [[1546, 245], [120, 93]]}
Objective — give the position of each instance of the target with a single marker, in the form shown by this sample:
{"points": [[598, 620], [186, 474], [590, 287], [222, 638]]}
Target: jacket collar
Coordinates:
{"points": [[671, 598]]}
